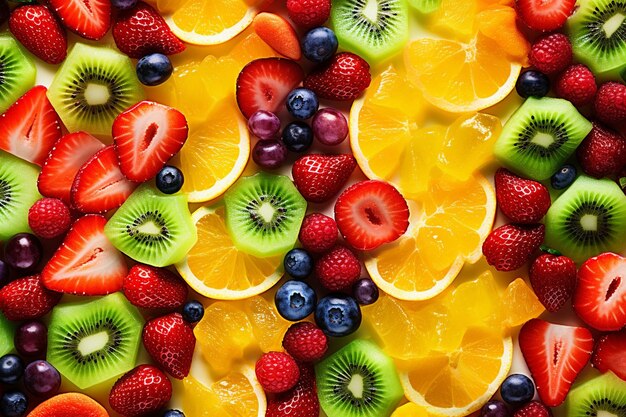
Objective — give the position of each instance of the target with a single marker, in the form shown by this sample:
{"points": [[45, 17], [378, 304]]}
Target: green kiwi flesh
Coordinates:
{"points": [[540, 136], [17, 72], [425, 6], [598, 34], [7, 330], [263, 214], [90, 342], [92, 87], [602, 396], [152, 227], [374, 29], [18, 191], [587, 219], [359, 380]]}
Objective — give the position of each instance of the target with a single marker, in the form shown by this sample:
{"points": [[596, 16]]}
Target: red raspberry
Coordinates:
{"points": [[49, 217], [533, 409], [610, 102], [277, 372], [602, 153], [551, 54], [308, 14], [318, 233], [577, 84], [339, 269], [305, 342]]}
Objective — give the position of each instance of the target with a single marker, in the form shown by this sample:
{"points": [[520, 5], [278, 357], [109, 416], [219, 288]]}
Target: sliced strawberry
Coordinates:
{"points": [[99, 185], [146, 136], [264, 83], [555, 355], [600, 295], [371, 213], [86, 263], [90, 19], [67, 156], [610, 354], [30, 127], [545, 15]]}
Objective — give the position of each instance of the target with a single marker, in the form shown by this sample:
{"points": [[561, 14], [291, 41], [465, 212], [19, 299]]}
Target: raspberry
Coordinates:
{"points": [[602, 153], [551, 54], [308, 13], [318, 233], [338, 270], [577, 84], [49, 217], [533, 409], [305, 342], [610, 103], [277, 372]]}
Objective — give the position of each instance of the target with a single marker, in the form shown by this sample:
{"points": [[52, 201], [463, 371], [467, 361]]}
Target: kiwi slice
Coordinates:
{"points": [[598, 31], [425, 6], [17, 72], [153, 228], [373, 29], [604, 395], [92, 87], [18, 191], [540, 136], [7, 330], [359, 380], [90, 342], [587, 219], [263, 214]]}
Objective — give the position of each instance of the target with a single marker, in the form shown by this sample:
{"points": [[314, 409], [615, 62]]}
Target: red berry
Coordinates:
{"points": [[320, 177], [277, 372], [610, 102], [146, 286], [344, 78], [338, 270], [49, 217], [509, 247], [39, 31], [521, 200], [26, 298], [308, 14], [318, 233], [602, 153], [577, 84], [553, 279], [533, 409], [551, 54], [610, 354], [305, 342], [87, 18], [170, 342], [301, 401], [141, 392], [545, 15]]}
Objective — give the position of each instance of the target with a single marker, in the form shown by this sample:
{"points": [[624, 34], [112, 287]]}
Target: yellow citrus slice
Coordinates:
{"points": [[519, 304], [410, 410], [215, 268]]}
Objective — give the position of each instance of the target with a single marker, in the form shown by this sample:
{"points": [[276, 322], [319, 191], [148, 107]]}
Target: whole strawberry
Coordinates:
{"points": [[170, 342], [300, 401], [26, 299], [307, 14], [344, 78], [551, 54], [602, 153], [553, 279], [577, 84], [320, 177], [277, 372], [305, 342], [146, 286], [509, 247], [533, 409], [318, 233], [521, 200], [49, 218], [338, 270], [39, 31], [141, 392], [610, 103]]}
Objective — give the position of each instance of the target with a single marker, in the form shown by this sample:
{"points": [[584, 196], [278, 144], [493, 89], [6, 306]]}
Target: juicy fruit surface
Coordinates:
{"points": [[18, 73]]}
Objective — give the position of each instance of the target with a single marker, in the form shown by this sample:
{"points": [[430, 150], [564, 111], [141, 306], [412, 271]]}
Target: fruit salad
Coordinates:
{"points": [[312, 208]]}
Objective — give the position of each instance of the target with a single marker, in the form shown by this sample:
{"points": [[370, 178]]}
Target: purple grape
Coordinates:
{"points": [[42, 379], [365, 291], [123, 4], [330, 126], [31, 339], [4, 274], [269, 154], [23, 251], [495, 408], [264, 124]]}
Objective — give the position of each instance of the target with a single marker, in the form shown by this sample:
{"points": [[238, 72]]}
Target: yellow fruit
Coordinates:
{"points": [[215, 268], [409, 410], [454, 18], [519, 304]]}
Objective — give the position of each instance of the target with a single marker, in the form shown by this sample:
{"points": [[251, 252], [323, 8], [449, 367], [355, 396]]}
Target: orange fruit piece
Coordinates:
{"points": [[499, 23], [278, 34], [71, 404], [519, 304]]}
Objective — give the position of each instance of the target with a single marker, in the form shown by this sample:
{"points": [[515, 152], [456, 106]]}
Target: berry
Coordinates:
{"points": [[140, 392], [147, 286], [193, 311], [154, 69], [278, 33], [495, 408], [264, 124], [344, 78], [170, 342], [365, 291], [564, 177], [521, 200], [302, 103], [90, 19], [23, 251], [39, 31], [509, 247], [13, 404], [338, 269], [300, 401], [318, 233], [11, 369], [269, 154], [123, 4], [532, 83], [308, 13], [551, 54], [173, 413], [305, 342], [545, 15], [297, 137], [330, 126], [298, 263], [320, 177], [4, 274], [26, 299], [295, 300], [602, 153], [169, 180], [553, 279], [319, 44], [42, 379], [577, 84], [31, 339], [610, 103], [49, 218], [517, 389], [610, 354], [338, 315], [533, 409], [277, 372]]}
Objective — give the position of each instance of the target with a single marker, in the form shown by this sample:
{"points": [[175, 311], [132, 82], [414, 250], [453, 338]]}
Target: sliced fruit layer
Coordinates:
{"points": [[610, 354], [602, 395], [69, 404], [17, 72]]}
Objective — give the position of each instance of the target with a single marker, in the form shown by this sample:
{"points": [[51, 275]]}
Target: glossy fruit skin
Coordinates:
{"points": [[318, 233], [169, 180], [269, 154], [302, 103], [319, 44], [277, 372], [42, 379], [264, 124], [154, 69], [509, 247], [23, 251], [330, 126], [610, 354], [4, 274], [31, 339], [13, 404], [533, 409], [551, 54], [123, 4], [141, 391], [532, 84], [602, 153], [173, 413], [11, 369], [320, 177], [49, 218], [308, 13], [37, 28], [338, 269], [298, 263], [193, 311], [365, 291], [495, 408], [26, 298], [297, 137], [295, 300], [545, 15], [300, 401], [520, 199], [517, 389], [147, 286], [305, 342], [344, 78], [610, 103], [564, 177], [553, 279], [338, 315], [170, 342]]}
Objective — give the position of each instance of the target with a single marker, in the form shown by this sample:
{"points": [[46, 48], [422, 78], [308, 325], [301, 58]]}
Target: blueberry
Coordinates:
{"points": [[297, 137], [11, 369], [123, 4], [319, 44], [173, 413], [298, 263], [365, 291], [169, 180], [295, 300], [302, 103], [13, 404], [564, 177], [495, 408], [193, 311], [338, 315], [517, 389], [532, 83], [154, 69]]}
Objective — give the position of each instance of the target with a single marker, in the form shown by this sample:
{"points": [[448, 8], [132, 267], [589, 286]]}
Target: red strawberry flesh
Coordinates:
{"points": [[610, 354], [90, 19]]}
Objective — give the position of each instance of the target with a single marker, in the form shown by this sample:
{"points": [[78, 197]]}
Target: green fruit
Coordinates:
{"points": [[7, 331], [17, 72], [425, 6], [602, 396]]}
